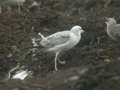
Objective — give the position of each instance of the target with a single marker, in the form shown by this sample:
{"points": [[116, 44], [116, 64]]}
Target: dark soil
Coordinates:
{"points": [[95, 61]]}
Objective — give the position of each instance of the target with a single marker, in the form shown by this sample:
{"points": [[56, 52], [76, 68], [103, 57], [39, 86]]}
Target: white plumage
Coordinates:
{"points": [[9, 3], [21, 75], [61, 41], [113, 29]]}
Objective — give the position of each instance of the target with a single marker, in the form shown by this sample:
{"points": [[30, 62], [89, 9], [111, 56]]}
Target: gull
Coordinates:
{"points": [[61, 41], [34, 4], [9, 3], [113, 29]]}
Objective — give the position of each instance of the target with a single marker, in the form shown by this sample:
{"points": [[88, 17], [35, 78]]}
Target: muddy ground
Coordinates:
{"points": [[92, 65]]}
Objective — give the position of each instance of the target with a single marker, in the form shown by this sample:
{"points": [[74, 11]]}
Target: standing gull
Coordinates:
{"points": [[113, 29], [18, 3], [61, 41]]}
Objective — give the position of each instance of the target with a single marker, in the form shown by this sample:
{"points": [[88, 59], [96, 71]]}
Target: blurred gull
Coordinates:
{"points": [[34, 4], [17, 3], [61, 41], [113, 29]]}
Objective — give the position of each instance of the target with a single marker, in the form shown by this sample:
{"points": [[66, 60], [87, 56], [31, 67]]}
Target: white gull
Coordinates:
{"points": [[60, 41]]}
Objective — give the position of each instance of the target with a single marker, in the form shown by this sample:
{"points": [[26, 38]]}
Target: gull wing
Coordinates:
{"points": [[116, 31], [57, 39]]}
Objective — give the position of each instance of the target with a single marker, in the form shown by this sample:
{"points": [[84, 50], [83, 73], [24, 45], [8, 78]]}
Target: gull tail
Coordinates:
{"points": [[43, 37]]}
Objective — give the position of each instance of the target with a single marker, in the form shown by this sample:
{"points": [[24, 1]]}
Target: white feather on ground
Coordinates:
{"points": [[21, 75]]}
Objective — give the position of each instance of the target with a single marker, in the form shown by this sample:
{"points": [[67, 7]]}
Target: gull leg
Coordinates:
{"points": [[57, 53], [9, 9], [0, 9], [19, 8], [61, 61]]}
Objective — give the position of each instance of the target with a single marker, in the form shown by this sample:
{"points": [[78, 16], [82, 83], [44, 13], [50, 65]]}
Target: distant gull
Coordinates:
{"points": [[9, 3], [60, 41], [113, 29]]}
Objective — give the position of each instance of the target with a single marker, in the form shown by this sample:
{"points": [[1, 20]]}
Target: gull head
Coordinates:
{"points": [[110, 21], [77, 30]]}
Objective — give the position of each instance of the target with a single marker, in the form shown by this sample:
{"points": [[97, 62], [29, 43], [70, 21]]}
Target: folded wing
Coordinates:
{"points": [[56, 39]]}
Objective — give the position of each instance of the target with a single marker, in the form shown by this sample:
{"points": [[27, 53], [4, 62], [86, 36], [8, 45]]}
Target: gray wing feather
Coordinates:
{"points": [[57, 38], [116, 31]]}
